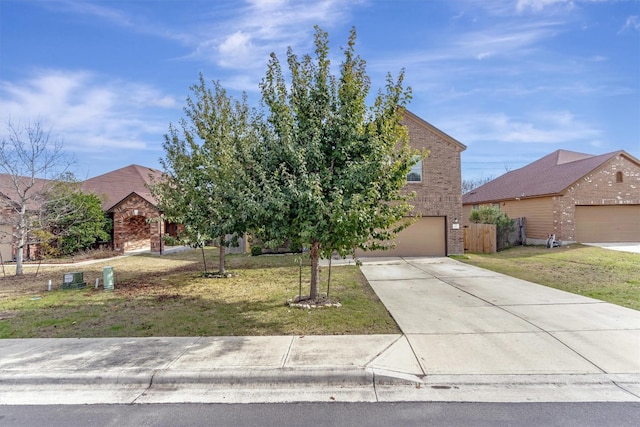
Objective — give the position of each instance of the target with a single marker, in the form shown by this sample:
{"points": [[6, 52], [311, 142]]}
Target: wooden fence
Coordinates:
{"points": [[480, 238], [486, 239]]}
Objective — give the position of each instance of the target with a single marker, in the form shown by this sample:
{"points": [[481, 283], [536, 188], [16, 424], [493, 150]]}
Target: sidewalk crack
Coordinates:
{"points": [[144, 393], [285, 359]]}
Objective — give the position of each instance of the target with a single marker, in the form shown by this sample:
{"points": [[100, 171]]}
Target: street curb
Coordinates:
{"points": [[75, 378], [225, 377], [253, 376], [327, 376]]}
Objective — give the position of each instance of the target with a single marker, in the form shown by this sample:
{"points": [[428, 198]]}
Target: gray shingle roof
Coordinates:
{"points": [[549, 175]]}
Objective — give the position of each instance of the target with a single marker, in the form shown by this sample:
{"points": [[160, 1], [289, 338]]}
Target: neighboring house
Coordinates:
{"points": [[438, 186], [578, 197], [9, 212], [127, 200], [125, 197]]}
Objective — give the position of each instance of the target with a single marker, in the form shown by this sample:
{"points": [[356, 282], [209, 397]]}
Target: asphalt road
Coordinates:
{"points": [[327, 414]]}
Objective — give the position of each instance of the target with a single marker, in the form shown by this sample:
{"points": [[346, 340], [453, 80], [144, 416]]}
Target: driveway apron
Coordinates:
{"points": [[463, 320]]}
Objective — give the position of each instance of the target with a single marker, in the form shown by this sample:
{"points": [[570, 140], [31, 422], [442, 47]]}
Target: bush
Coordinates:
{"points": [[492, 215], [256, 250]]}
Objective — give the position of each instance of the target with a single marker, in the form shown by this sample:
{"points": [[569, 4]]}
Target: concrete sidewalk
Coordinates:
{"points": [[469, 335]]}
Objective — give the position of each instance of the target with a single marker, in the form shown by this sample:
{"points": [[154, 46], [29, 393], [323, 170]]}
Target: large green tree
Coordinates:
{"points": [[336, 167], [204, 187]]}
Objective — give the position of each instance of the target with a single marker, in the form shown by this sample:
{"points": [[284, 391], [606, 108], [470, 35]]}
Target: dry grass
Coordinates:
{"points": [[604, 274], [167, 296]]}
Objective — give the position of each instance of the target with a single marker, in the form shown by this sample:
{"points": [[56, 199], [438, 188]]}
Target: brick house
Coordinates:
{"points": [[578, 197], [438, 186], [125, 198], [9, 212], [137, 222]]}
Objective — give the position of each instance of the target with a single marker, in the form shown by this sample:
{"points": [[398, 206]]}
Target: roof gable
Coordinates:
{"points": [[408, 115], [550, 175], [115, 186]]}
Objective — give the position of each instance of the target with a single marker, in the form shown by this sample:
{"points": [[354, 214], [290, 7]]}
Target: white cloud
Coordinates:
{"points": [[538, 5], [265, 26], [88, 112], [109, 13], [238, 36], [550, 127], [632, 23], [236, 49], [504, 40]]}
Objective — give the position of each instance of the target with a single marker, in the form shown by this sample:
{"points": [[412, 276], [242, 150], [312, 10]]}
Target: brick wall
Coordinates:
{"points": [[597, 188], [136, 225], [440, 192]]}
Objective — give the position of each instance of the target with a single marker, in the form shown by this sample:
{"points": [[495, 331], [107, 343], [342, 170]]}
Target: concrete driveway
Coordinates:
{"points": [[620, 246], [460, 320]]}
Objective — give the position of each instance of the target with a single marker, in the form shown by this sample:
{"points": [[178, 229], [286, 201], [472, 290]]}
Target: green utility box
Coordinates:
{"points": [[107, 278], [73, 281]]}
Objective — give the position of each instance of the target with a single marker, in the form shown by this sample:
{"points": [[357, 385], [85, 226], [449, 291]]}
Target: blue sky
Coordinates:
{"points": [[512, 80]]}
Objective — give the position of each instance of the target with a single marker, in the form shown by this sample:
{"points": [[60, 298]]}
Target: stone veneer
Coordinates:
{"points": [[136, 225]]}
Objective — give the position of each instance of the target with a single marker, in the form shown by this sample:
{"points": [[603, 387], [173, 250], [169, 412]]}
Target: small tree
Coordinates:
{"points": [[204, 184], [32, 163], [336, 168], [76, 220]]}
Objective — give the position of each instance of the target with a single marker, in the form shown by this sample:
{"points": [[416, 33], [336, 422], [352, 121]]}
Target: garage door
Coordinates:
{"points": [[5, 245], [600, 224], [425, 237]]}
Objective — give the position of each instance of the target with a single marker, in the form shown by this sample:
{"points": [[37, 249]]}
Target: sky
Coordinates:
{"points": [[513, 80]]}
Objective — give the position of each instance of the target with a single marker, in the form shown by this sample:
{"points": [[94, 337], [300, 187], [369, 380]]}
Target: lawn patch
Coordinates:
{"points": [[168, 296], [603, 274]]}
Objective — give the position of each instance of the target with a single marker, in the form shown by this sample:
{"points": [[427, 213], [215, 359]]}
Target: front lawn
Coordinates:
{"points": [[604, 274], [167, 296]]}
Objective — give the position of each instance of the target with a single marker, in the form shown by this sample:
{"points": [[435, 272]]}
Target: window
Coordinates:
{"points": [[619, 177], [415, 174]]}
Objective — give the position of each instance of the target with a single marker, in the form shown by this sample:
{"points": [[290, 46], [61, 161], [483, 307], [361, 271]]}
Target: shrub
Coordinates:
{"points": [[492, 215]]}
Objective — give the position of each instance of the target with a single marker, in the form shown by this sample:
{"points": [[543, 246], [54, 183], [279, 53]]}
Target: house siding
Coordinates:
{"points": [[538, 213]]}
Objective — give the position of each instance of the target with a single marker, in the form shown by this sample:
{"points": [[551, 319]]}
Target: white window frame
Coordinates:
{"points": [[415, 169]]}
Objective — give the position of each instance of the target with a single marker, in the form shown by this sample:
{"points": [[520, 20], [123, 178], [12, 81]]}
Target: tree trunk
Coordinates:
{"points": [[22, 239], [204, 259], [222, 248], [314, 254], [19, 256]]}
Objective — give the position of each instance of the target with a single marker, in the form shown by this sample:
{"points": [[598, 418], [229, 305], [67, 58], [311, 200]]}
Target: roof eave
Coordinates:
{"points": [[512, 198]]}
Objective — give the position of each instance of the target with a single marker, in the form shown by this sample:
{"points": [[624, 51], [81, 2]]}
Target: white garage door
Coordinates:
{"points": [[425, 237], [600, 224]]}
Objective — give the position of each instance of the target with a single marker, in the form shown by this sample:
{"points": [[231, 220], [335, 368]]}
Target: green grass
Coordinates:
{"points": [[167, 296], [603, 274]]}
